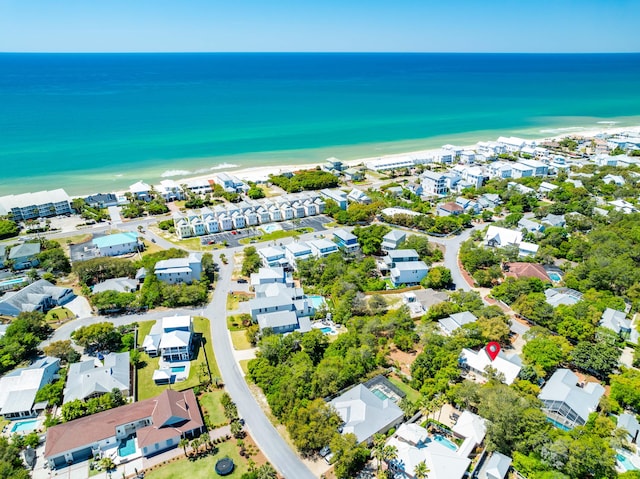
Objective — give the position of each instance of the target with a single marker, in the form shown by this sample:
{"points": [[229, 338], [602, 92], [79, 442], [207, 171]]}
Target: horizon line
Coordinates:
{"points": [[312, 52]]}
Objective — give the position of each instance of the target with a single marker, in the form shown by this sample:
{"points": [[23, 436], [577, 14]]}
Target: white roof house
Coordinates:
{"points": [[568, 403], [365, 414], [472, 426], [617, 321], [415, 446], [18, 388], [322, 247], [496, 467], [179, 270], [296, 251], [501, 237], [270, 275], [455, 321], [93, 377], [629, 423], [171, 338], [479, 361], [558, 296]]}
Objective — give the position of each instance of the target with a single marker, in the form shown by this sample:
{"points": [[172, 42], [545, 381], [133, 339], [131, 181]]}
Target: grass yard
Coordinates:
{"points": [[202, 468], [412, 394], [150, 247], [147, 387], [234, 322], [244, 365], [211, 407], [276, 235], [57, 315], [233, 299], [239, 340]]}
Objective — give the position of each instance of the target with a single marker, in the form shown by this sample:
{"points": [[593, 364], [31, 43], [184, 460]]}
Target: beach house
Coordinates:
{"points": [[151, 426], [117, 244], [18, 389], [297, 251], [617, 322], [273, 256], [141, 191], [180, 270], [98, 376], [40, 295], [101, 200], [24, 256], [405, 267], [271, 275], [449, 324], [321, 248], [478, 364], [230, 183], [340, 197], [392, 240], [171, 338], [346, 241], [42, 204], [359, 196], [567, 402], [281, 307], [433, 183]]}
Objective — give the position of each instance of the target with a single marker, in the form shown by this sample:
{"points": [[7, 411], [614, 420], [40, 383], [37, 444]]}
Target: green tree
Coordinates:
{"points": [[370, 237], [312, 426], [8, 229], [98, 336], [421, 470], [350, 457], [63, 350], [599, 359], [544, 351], [251, 262], [438, 277]]}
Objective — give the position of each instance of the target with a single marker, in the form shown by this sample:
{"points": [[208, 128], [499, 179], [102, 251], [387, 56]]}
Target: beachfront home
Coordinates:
{"points": [[170, 190], [567, 402], [199, 186], [414, 445], [393, 239], [617, 322], [322, 247], [180, 270], [346, 241], [297, 251], [141, 191], [18, 389], [101, 200], [24, 256], [230, 183], [433, 183], [449, 324], [117, 244], [40, 295], [480, 364], [391, 163], [366, 414], [340, 197], [152, 426], [353, 174], [42, 204], [171, 338], [95, 377]]}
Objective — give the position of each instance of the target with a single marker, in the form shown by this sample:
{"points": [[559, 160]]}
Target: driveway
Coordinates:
{"points": [[79, 306]]}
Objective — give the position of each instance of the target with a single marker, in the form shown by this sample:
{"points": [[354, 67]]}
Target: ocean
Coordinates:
{"points": [[99, 122]]}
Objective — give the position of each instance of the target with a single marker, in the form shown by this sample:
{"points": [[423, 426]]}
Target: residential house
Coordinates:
{"points": [[520, 170], [297, 251], [171, 338], [346, 241], [498, 237], [615, 179], [273, 256], [450, 208], [539, 168], [101, 200], [554, 220], [623, 206], [333, 165], [117, 244], [558, 296], [468, 205], [157, 424], [353, 174], [433, 183], [281, 307], [414, 445], [630, 424], [391, 163], [479, 363], [449, 324], [170, 190], [40, 295], [42, 204], [230, 183], [496, 467], [530, 225], [567, 402], [200, 186], [617, 322], [340, 197], [359, 196], [180, 270], [606, 160], [499, 170], [24, 256], [405, 267], [271, 275], [141, 191], [472, 428], [473, 175], [492, 199], [514, 144], [121, 285], [18, 389], [365, 414], [95, 377], [393, 239], [322, 247], [526, 270], [545, 188]]}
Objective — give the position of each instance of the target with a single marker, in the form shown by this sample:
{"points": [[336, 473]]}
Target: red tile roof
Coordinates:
{"points": [[172, 413], [527, 270], [451, 207]]}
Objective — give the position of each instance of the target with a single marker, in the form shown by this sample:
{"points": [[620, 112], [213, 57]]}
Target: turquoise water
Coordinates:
{"points": [[12, 281], [625, 462], [326, 330], [445, 442], [98, 122], [380, 394], [178, 369], [127, 447], [316, 301], [558, 424], [270, 228], [22, 426], [555, 277]]}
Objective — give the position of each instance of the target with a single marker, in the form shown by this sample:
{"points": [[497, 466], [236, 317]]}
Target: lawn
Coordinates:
{"points": [[57, 315], [211, 407], [244, 365], [150, 247], [276, 235], [412, 394], [239, 340], [233, 299], [202, 468], [148, 389]]}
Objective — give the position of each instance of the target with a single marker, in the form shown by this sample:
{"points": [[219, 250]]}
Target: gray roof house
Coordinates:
{"points": [[629, 423], [179, 270], [566, 402], [496, 467], [617, 321], [365, 414], [558, 296], [554, 220], [393, 239], [24, 256], [281, 307], [93, 378], [121, 285], [40, 295], [455, 321], [529, 225], [18, 388]]}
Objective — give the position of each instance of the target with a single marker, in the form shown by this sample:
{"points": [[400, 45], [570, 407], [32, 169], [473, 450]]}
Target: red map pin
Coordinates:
{"points": [[493, 349]]}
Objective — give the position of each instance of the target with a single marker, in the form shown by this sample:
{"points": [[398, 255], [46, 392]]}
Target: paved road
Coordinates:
{"points": [[266, 436]]}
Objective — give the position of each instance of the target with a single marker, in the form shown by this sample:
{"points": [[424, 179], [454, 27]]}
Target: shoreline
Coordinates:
{"points": [[183, 172]]}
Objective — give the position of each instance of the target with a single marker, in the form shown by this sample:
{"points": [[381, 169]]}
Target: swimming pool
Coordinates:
{"points": [[558, 424], [445, 442], [127, 447], [317, 301], [326, 330], [380, 394], [625, 462], [555, 277], [9, 282], [178, 369], [270, 228], [22, 426]]}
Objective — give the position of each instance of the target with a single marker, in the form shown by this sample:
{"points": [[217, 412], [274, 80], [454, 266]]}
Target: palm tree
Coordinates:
{"points": [[206, 440], [266, 471], [195, 444], [377, 450], [389, 453], [184, 442], [421, 470]]}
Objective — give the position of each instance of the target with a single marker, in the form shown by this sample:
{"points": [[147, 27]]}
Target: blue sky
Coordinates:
{"points": [[320, 25]]}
